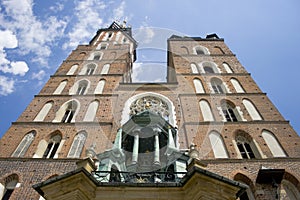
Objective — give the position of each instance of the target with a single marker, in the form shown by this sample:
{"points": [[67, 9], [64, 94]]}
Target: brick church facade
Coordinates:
{"points": [[207, 132]]}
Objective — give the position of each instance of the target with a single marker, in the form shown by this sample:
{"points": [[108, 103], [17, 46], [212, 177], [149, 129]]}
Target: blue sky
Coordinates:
{"points": [[36, 36]]}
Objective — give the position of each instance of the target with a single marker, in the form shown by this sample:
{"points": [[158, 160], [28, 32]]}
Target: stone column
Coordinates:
{"points": [[118, 140], [156, 149], [171, 143], [135, 150]]}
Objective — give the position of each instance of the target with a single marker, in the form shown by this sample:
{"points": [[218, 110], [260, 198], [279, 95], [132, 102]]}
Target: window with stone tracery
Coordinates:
{"points": [[150, 103]]}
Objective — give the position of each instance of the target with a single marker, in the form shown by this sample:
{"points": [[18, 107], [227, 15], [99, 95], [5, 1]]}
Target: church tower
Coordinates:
{"points": [[208, 131]]}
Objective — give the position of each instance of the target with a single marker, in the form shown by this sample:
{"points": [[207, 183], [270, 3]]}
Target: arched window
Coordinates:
{"points": [[273, 144], [91, 111], [105, 69], [194, 68], [198, 86], [160, 104], [60, 87], [24, 144], [217, 145], [229, 111], [289, 191], [248, 194], [246, 146], [206, 111], [200, 50], [237, 86], [96, 56], [184, 50], [251, 110], [217, 86], [72, 70], [102, 46], [219, 50], [52, 146], [68, 116], [209, 68], [77, 145], [67, 112], [88, 69], [227, 68], [43, 112], [100, 87], [82, 87], [11, 182]]}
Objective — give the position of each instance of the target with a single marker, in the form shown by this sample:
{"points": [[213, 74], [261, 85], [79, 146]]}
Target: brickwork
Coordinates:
{"points": [[179, 89], [32, 171]]}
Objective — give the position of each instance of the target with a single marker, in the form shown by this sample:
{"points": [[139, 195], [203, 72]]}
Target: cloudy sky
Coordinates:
{"points": [[36, 36]]}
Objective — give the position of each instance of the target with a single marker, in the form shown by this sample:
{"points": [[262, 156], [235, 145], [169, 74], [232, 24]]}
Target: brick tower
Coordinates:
{"points": [[208, 131]]}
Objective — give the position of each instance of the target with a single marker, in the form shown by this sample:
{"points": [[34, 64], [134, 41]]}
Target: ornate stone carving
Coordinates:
{"points": [[150, 103]]}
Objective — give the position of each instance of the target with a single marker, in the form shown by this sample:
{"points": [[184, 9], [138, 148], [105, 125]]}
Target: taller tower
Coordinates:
{"points": [[208, 131]]}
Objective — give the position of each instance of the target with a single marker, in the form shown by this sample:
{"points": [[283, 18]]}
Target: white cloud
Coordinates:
{"points": [[35, 36], [57, 7], [118, 13], [16, 68], [88, 20], [6, 85], [39, 76], [9, 40]]}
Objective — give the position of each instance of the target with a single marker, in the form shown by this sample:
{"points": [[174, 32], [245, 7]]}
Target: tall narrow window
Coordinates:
{"points": [[245, 150], [273, 144], [60, 87], [217, 86], [251, 110], [198, 86], [227, 68], [200, 50], [209, 67], [24, 145], [67, 112], [68, 116], [72, 70], [105, 69], [230, 112], [217, 145], [100, 87], [246, 147], [208, 70], [90, 70], [206, 111], [194, 68], [82, 86], [102, 46], [91, 111], [237, 86], [77, 145], [11, 183], [43, 112], [52, 147]]}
